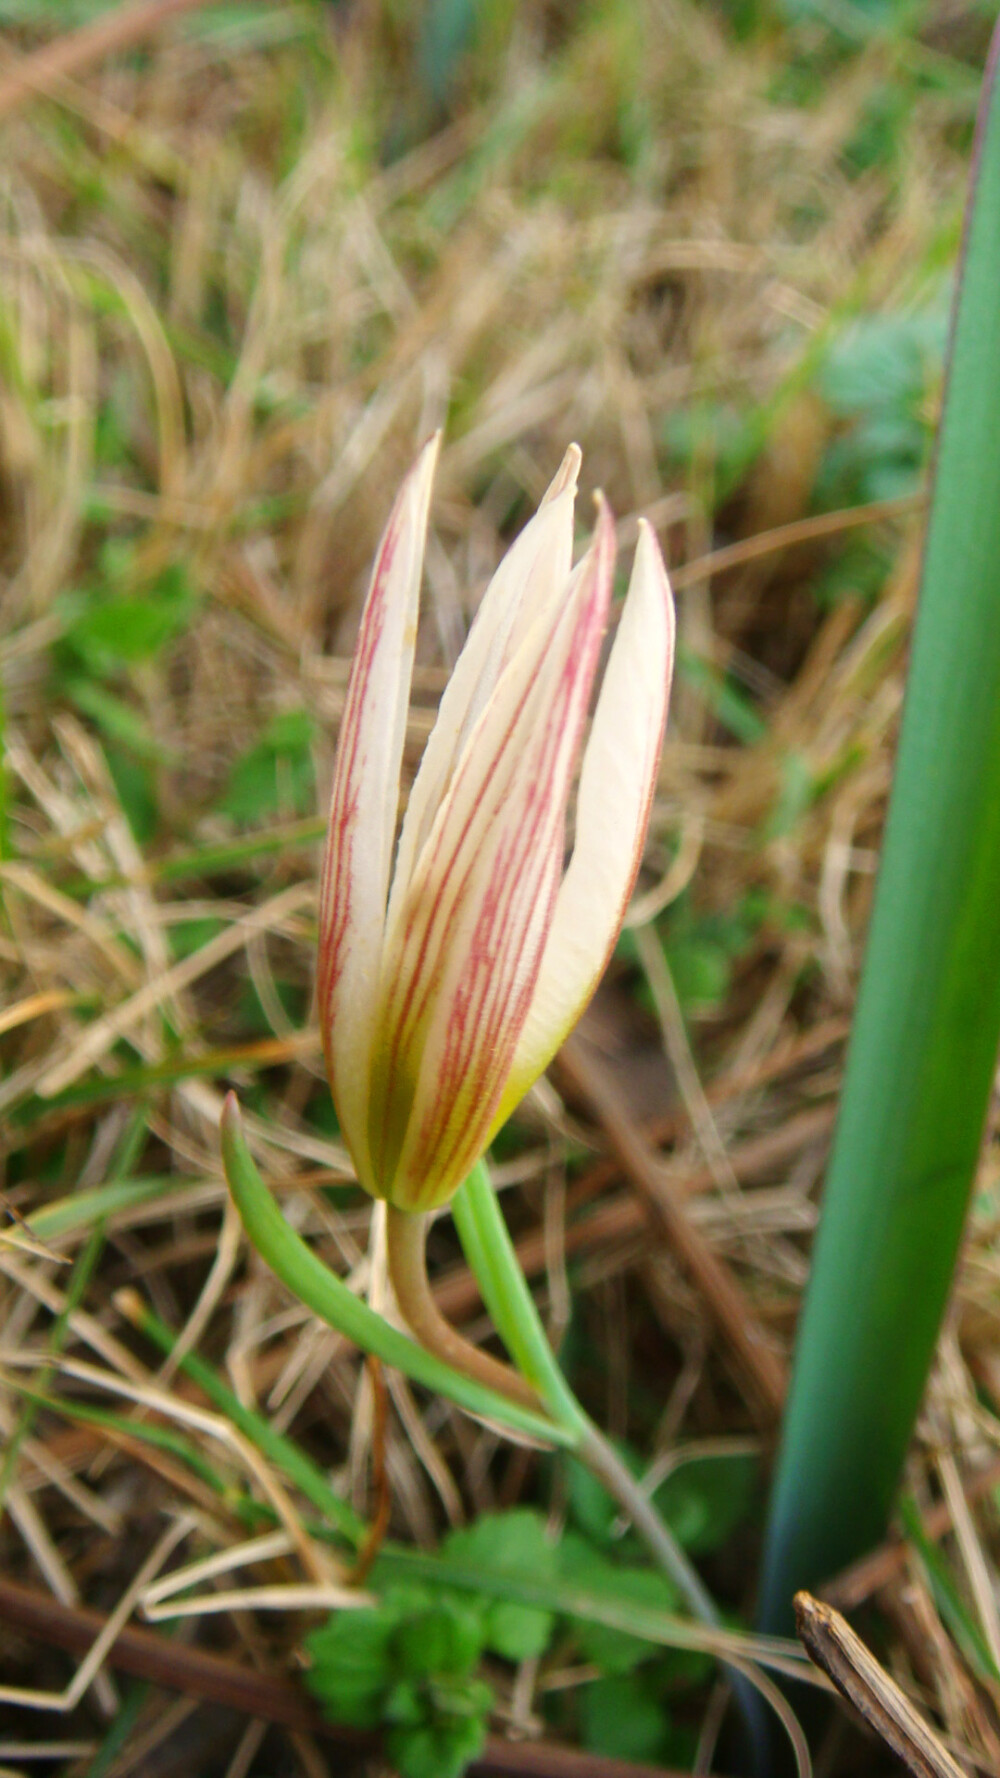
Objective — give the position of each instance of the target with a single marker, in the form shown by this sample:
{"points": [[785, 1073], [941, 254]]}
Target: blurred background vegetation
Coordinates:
{"points": [[249, 257]]}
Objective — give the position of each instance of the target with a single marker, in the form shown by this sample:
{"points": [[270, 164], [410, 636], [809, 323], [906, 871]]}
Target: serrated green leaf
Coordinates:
{"points": [[497, 1541], [352, 1665], [512, 1541], [518, 1632], [405, 1704], [613, 1651]]}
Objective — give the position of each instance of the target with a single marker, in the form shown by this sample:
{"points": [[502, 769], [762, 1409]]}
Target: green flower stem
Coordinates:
{"points": [[486, 1241], [490, 1253], [329, 1298], [506, 1294], [489, 1250]]}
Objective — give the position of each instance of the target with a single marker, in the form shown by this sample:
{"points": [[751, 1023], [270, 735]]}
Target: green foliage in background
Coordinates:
{"points": [[416, 1664], [275, 777], [114, 628], [880, 379]]}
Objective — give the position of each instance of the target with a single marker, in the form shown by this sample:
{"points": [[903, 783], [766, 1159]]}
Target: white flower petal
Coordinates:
{"points": [[363, 807], [617, 782], [533, 573], [460, 971]]}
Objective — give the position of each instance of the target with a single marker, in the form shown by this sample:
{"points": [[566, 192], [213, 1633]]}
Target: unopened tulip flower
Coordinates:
{"points": [[448, 982]]}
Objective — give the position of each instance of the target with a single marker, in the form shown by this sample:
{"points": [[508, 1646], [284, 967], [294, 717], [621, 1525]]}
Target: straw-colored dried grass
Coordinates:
{"points": [[199, 248]]}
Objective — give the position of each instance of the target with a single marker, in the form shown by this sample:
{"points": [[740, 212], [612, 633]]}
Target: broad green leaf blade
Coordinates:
{"points": [[926, 1031]]}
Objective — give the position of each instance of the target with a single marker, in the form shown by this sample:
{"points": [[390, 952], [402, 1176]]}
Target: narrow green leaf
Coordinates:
{"points": [[924, 1045], [948, 1598], [280, 1450], [490, 1252]]}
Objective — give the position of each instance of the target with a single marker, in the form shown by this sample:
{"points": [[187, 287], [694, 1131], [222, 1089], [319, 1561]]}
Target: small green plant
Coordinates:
{"points": [[413, 1664], [879, 379], [408, 1666]]}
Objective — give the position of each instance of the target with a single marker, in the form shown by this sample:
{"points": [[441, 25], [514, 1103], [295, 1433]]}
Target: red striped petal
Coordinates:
{"points": [[462, 965], [531, 578], [357, 861], [617, 783]]}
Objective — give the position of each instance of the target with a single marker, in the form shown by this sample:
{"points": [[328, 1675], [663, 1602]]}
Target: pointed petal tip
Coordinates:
{"points": [[648, 544], [421, 473], [568, 472], [649, 569], [566, 476], [605, 540]]}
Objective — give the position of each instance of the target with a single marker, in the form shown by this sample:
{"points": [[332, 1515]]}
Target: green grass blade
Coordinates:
{"points": [[276, 1446], [925, 1038], [952, 1608], [80, 1210]]}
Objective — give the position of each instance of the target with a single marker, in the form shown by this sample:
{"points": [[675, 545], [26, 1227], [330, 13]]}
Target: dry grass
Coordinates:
{"points": [[225, 322]]}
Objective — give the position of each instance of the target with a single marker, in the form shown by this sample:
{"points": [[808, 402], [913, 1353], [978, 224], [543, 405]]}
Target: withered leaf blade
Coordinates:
{"points": [[833, 1646]]}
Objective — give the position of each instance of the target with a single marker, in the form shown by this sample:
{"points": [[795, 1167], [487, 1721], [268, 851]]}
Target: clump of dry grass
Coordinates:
{"points": [[225, 320]]}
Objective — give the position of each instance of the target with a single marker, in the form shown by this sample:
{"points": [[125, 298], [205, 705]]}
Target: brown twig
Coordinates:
{"points": [[268, 1696], [727, 1303], [74, 51], [380, 1476], [807, 530], [833, 1646]]}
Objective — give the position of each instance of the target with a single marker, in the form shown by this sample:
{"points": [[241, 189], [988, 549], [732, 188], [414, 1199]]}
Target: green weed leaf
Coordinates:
{"points": [[620, 1718], [408, 1665], [613, 1651], [276, 775], [515, 1541], [113, 629], [436, 1750]]}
